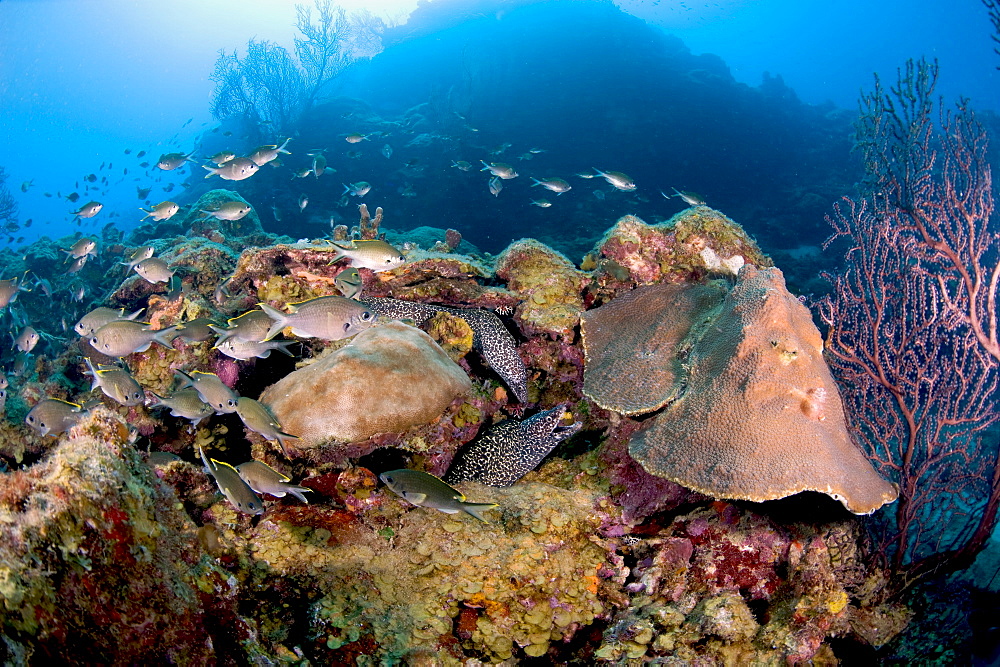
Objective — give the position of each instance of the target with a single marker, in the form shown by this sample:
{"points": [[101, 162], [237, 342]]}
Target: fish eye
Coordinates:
{"points": [[366, 316], [252, 506], [31, 419], [387, 479]]}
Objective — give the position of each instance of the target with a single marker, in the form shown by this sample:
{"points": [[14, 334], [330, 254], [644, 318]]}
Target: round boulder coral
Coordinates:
{"points": [[390, 377]]}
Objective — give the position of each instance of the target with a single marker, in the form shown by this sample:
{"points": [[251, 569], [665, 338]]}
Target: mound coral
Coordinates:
{"points": [[389, 378], [757, 414], [549, 285]]}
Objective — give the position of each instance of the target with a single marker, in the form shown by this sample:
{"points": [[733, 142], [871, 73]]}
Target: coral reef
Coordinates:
{"points": [[332, 399], [588, 558]]}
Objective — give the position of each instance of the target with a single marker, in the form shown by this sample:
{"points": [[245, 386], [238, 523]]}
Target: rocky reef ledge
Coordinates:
{"points": [[116, 548]]}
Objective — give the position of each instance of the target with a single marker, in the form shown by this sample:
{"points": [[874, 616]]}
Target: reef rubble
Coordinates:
{"points": [[116, 545]]}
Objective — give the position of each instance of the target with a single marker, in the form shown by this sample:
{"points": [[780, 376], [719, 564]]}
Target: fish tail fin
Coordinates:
{"points": [[92, 372], [339, 254], [281, 148], [297, 491], [282, 436], [536, 182], [186, 380], [486, 167], [162, 338], [347, 189], [155, 400], [280, 321], [283, 348], [477, 509], [212, 171]]}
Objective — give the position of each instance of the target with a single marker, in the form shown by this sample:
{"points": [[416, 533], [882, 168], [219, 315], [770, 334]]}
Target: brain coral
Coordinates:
{"points": [[757, 414], [389, 378]]}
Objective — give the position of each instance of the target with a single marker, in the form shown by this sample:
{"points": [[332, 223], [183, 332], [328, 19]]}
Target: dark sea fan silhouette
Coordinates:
{"points": [[270, 86]]}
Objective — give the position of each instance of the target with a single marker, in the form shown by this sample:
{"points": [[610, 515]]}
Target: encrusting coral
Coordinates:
{"points": [[98, 559], [696, 242], [549, 285]]}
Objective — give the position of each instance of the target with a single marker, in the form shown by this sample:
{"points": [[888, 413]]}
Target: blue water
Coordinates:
{"points": [[734, 100]]}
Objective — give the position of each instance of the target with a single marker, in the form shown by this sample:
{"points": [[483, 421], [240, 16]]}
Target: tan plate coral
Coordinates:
{"points": [[757, 415]]}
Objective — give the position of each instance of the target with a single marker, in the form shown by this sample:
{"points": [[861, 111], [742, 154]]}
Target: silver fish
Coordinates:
{"points": [[237, 169], [82, 248], [495, 185], [184, 403], [359, 189], [556, 185], [251, 327], [541, 203], [617, 179], [689, 198], [170, 161], [154, 270], [98, 317], [89, 210], [264, 154], [461, 165], [116, 383], [139, 254], [259, 419], [122, 337], [373, 254], [162, 211], [212, 390], [262, 478], [222, 156], [77, 264], [241, 349], [325, 317], [230, 210], [52, 416], [232, 485], [355, 138], [387, 151], [426, 490], [303, 202], [197, 330], [27, 339], [499, 169], [9, 289], [349, 282], [319, 165], [4, 383]]}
